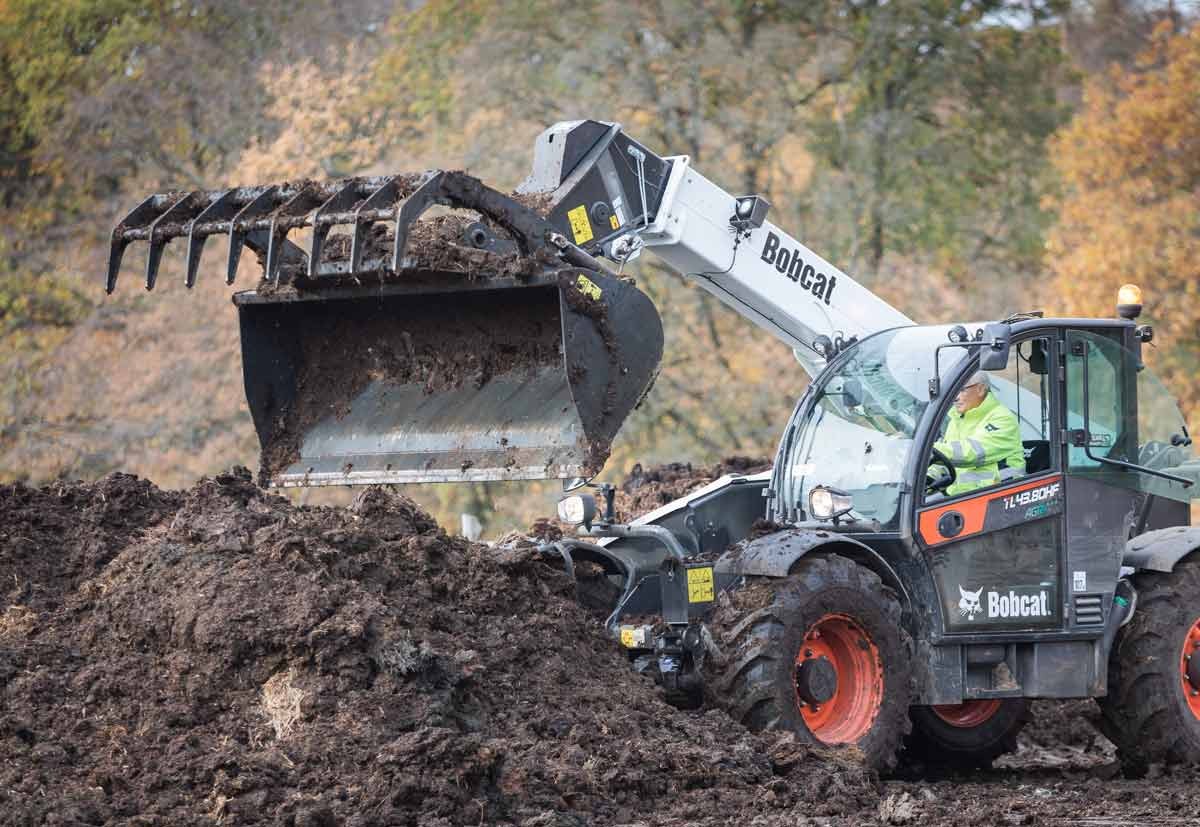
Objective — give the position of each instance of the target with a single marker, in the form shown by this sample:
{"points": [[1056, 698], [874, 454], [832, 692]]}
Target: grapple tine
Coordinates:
{"points": [[289, 215], [341, 201], [223, 208], [383, 198], [161, 230], [430, 191], [261, 204], [138, 218]]}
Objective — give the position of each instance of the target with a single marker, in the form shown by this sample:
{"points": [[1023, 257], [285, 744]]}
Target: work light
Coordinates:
{"points": [[577, 510], [825, 503]]}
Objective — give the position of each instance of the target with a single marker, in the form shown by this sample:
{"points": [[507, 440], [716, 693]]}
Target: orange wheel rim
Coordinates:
{"points": [[1189, 667], [967, 714], [845, 712]]}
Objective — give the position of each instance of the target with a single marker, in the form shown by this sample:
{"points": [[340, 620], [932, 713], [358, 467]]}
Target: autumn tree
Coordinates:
{"points": [[1130, 211], [101, 102]]}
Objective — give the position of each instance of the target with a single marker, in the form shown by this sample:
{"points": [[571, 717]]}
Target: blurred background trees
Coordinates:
{"points": [[964, 159]]}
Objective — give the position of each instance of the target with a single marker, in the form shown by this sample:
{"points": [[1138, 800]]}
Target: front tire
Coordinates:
{"points": [[820, 653], [971, 734], [1152, 711]]}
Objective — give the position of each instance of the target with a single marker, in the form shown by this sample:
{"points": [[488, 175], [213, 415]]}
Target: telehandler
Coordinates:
{"points": [[845, 595]]}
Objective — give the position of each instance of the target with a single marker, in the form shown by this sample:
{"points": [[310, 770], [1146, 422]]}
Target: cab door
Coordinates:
{"points": [[997, 552], [1116, 412]]}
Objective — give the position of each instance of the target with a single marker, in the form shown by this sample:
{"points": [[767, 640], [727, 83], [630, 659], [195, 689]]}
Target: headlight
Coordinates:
{"points": [[826, 503], [577, 510]]}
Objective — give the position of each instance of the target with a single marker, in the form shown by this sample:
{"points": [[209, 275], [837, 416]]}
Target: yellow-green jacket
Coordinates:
{"points": [[978, 441]]}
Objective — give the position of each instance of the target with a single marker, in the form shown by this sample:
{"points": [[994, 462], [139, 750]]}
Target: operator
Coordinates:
{"points": [[983, 438]]}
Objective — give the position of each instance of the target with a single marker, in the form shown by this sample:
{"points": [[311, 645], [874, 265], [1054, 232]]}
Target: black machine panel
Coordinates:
{"points": [[604, 197], [1001, 581]]}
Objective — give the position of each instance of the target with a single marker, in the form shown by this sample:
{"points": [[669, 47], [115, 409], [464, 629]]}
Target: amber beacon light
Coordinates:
{"points": [[1129, 301]]}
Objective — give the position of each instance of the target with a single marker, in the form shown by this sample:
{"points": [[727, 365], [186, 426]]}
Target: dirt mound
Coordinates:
{"points": [[219, 655], [54, 538], [647, 489]]}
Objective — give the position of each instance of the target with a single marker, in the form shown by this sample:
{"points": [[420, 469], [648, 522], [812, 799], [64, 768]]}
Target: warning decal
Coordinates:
{"points": [[588, 287], [581, 228], [700, 585]]}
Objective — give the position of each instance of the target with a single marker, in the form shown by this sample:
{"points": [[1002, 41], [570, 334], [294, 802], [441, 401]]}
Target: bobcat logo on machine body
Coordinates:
{"points": [[969, 605], [1002, 606]]}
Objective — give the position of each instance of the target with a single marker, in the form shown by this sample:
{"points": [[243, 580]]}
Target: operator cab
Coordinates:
{"points": [[1100, 436], [854, 432]]}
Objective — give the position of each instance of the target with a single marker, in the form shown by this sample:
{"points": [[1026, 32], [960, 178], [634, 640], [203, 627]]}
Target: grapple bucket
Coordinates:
{"points": [[507, 353], [440, 383]]}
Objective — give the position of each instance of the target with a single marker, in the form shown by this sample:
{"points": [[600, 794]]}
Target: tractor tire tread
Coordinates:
{"points": [[936, 743], [1145, 713], [745, 680]]}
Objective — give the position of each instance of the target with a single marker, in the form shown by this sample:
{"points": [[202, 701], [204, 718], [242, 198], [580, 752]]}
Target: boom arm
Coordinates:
{"points": [[614, 195]]}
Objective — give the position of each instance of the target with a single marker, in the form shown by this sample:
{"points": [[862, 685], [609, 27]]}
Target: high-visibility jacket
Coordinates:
{"points": [[984, 444]]}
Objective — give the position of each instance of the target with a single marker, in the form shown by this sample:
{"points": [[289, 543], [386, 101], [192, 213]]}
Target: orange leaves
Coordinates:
{"points": [[1130, 212]]}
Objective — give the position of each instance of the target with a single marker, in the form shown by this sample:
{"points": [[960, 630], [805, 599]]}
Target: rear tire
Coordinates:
{"points": [[971, 734], [828, 609], [1152, 711]]}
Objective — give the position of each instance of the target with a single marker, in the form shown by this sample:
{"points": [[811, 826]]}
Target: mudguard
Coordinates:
{"points": [[775, 554], [1162, 549]]}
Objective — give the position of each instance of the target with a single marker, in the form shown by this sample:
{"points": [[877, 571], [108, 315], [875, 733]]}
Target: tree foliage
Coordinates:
{"points": [[905, 141], [1130, 211]]}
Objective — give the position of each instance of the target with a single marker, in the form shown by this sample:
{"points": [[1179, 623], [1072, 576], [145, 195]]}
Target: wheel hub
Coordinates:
{"points": [[816, 680], [1189, 667], [839, 679]]}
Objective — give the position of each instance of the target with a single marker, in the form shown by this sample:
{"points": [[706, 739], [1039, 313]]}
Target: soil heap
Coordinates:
{"points": [[221, 656], [646, 489]]}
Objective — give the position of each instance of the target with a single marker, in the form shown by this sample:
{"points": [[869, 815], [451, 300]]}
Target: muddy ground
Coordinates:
{"points": [[220, 656]]}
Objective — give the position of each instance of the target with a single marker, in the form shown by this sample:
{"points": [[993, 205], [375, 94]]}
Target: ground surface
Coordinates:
{"points": [[220, 656]]}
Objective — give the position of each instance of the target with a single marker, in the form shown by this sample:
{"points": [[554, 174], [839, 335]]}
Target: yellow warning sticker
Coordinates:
{"points": [[627, 638], [588, 287], [581, 228], [612, 219], [700, 585]]}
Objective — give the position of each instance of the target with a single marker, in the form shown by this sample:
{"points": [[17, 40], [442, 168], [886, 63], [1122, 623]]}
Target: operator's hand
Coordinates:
{"points": [[934, 475]]}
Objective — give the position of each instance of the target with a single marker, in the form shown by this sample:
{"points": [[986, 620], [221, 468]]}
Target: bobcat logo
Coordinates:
{"points": [[969, 605]]}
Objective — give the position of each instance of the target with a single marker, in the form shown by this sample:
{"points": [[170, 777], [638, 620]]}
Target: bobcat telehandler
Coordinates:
{"points": [[876, 610]]}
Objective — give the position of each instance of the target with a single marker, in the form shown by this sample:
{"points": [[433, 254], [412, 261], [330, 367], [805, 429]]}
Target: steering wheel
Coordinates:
{"points": [[933, 486]]}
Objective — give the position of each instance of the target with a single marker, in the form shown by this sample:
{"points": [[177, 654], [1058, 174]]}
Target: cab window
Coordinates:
{"points": [[998, 432], [1102, 398], [1151, 433]]}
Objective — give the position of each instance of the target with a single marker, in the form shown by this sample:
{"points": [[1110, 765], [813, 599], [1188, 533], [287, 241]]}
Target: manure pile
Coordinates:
{"points": [[646, 489], [220, 656]]}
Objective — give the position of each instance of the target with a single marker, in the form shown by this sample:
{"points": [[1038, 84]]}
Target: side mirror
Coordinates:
{"points": [[993, 355]]}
